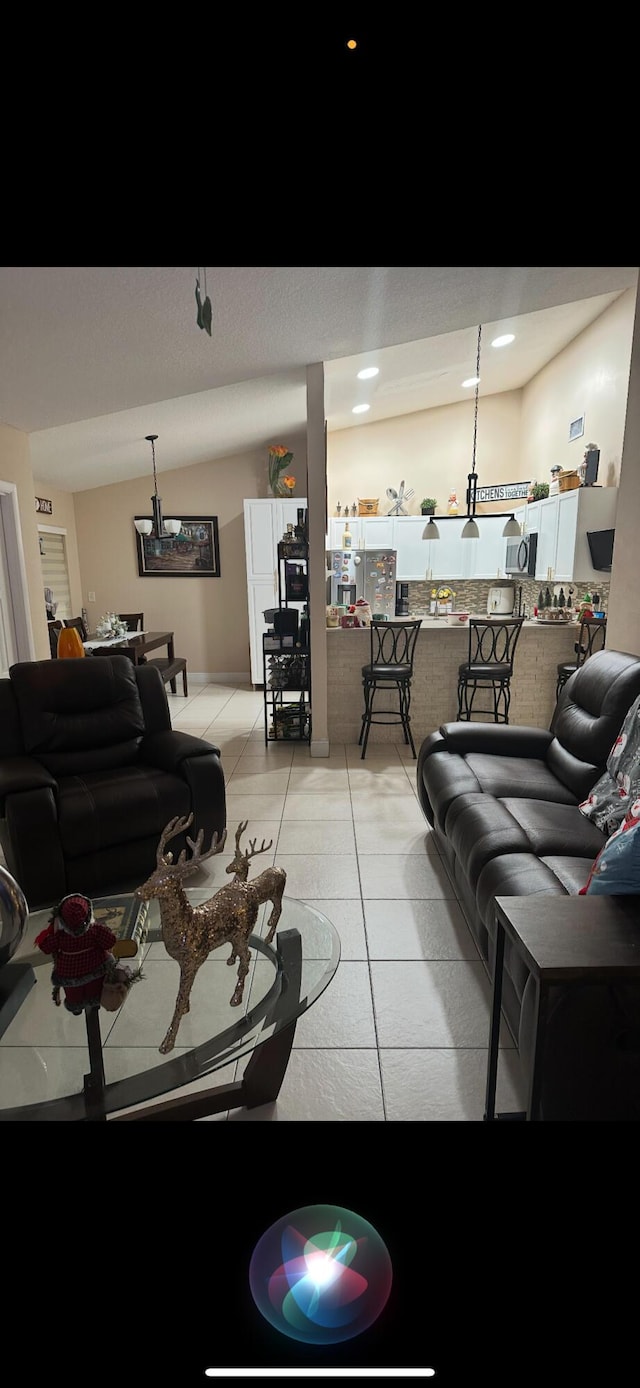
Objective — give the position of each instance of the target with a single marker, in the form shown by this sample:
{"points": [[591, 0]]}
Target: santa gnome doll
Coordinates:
{"points": [[81, 952]]}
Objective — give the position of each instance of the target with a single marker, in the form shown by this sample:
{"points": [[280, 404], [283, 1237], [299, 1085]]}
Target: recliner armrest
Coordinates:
{"points": [[23, 773], [495, 739], [167, 750]]}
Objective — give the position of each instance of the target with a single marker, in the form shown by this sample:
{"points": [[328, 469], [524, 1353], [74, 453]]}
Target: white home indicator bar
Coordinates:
{"points": [[320, 1373]]}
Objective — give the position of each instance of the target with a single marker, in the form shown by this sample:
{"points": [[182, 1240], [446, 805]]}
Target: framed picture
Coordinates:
{"points": [[193, 553], [576, 428]]}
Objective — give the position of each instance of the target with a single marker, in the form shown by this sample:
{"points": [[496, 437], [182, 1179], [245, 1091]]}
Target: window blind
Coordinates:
{"points": [[55, 574]]}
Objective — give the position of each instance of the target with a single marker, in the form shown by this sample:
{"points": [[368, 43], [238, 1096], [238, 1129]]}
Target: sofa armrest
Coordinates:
{"points": [[22, 773], [494, 739], [32, 847], [169, 749]]}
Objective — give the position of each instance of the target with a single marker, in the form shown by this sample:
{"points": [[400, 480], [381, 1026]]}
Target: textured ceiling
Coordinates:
{"points": [[92, 358]]}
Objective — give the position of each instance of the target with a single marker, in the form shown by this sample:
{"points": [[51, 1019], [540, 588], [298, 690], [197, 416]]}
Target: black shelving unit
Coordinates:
{"points": [[285, 654]]}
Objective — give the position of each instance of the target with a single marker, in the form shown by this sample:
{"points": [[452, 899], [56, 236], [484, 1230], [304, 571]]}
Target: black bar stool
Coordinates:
{"points": [[591, 637], [391, 667], [492, 645]]}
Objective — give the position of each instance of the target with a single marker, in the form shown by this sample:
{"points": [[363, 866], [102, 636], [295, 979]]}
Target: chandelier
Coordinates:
{"points": [[470, 529], [159, 528]]}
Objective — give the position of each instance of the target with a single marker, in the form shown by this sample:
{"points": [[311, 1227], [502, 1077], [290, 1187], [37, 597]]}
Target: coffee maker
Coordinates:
{"points": [[402, 599]]}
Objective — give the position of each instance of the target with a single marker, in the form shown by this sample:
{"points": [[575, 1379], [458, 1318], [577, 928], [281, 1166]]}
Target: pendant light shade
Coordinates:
{"points": [[431, 531], [511, 529], [470, 530], [159, 528]]}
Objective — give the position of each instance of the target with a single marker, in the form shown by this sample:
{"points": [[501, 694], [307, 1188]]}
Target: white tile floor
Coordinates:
{"points": [[401, 1031]]}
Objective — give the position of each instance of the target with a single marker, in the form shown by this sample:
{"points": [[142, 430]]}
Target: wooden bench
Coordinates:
{"points": [[169, 669]]}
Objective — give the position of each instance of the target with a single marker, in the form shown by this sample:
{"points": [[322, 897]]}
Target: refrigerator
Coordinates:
{"points": [[359, 573]]}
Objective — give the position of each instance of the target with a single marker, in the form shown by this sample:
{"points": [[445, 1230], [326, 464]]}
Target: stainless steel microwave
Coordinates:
{"points": [[521, 555]]}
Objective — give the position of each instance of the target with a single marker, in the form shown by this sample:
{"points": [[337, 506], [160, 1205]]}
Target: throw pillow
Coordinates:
{"points": [[610, 798], [616, 871]]}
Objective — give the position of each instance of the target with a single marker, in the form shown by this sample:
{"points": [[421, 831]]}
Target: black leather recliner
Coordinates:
{"points": [[503, 804], [91, 772]]}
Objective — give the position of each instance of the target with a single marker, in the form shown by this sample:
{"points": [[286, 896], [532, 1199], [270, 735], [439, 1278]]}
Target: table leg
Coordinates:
{"points": [[94, 1081], [494, 1034], [262, 1079], [540, 1010]]}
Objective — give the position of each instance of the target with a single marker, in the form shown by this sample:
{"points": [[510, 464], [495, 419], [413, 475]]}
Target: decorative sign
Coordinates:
{"points": [[43, 505], [507, 491]]}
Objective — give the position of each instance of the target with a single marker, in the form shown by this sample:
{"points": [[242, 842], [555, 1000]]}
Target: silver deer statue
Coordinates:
{"points": [[191, 932]]}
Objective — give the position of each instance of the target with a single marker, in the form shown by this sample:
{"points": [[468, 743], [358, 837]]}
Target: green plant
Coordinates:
{"points": [[428, 503], [540, 491]]}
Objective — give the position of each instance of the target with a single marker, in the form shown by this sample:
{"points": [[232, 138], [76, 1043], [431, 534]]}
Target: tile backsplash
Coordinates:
{"points": [[472, 596]]}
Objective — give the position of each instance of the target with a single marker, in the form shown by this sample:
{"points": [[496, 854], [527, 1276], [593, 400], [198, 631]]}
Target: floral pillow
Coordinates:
{"points": [[610, 798], [616, 871]]}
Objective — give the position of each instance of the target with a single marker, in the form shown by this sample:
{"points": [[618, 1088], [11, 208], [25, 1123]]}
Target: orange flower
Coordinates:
{"points": [[278, 450], [289, 481]]}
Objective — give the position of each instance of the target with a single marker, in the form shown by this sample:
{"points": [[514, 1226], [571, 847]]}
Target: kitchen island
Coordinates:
{"points": [[440, 649]]}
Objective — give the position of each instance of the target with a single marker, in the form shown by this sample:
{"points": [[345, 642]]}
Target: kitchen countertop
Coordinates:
{"points": [[442, 623]]}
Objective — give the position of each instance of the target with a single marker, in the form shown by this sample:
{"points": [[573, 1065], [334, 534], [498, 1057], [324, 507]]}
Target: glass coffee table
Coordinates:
{"points": [[56, 1066]]}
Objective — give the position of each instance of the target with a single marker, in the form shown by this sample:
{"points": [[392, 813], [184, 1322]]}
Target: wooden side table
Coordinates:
{"points": [[563, 940]]}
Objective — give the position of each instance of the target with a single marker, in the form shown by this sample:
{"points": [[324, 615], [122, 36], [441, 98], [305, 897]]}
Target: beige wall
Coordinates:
{"points": [[15, 466], [590, 377], [431, 449], [209, 616]]}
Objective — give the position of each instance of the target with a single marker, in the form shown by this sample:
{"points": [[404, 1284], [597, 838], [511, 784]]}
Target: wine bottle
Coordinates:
{"points": [[346, 537]]}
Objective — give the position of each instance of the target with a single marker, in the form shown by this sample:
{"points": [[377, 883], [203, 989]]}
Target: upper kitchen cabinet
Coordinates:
{"points": [[484, 557], [561, 523], [586, 508], [413, 553], [337, 526], [379, 532]]}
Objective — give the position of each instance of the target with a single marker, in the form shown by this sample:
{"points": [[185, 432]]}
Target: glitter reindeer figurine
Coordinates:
{"points": [[191, 932]]}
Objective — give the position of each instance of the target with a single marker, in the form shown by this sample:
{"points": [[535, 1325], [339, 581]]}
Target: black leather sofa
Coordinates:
{"points": [[91, 772], [503, 804]]}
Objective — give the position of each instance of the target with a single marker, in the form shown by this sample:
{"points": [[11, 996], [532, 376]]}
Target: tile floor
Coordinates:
{"points": [[401, 1032]]}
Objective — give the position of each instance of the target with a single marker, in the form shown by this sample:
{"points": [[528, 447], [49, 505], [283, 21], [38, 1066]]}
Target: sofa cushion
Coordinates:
{"points": [[79, 714], [554, 828], [593, 705], [98, 811]]}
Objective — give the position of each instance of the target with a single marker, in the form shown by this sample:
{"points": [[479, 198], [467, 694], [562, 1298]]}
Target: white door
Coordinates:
{"points": [[7, 628], [448, 553], [414, 555]]}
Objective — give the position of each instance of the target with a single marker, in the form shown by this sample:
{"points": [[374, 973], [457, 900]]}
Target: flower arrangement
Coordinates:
{"points": [[279, 460], [110, 625]]}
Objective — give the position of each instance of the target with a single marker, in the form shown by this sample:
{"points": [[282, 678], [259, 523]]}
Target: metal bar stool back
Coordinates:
{"points": [[390, 667], [592, 637], [492, 647]]}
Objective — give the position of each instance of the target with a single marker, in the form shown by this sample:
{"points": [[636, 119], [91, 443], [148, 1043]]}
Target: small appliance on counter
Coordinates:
{"points": [[402, 599], [501, 598]]}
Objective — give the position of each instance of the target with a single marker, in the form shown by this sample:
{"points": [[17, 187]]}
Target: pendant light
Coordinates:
{"points": [[158, 528]]}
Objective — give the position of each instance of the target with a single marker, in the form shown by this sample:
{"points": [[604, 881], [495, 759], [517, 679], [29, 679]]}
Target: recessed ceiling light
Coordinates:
{"points": [[360, 409], [504, 340], [473, 381], [368, 371]]}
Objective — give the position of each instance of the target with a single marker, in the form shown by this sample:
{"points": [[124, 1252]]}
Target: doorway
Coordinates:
{"points": [[55, 570]]}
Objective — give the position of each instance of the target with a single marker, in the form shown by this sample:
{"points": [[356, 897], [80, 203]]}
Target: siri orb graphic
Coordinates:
{"points": [[321, 1274]]}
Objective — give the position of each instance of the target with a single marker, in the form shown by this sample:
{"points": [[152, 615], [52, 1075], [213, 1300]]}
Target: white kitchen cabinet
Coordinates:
{"points": [[413, 553], [265, 523], [378, 532], [585, 508], [336, 531], [485, 557], [447, 557], [561, 523]]}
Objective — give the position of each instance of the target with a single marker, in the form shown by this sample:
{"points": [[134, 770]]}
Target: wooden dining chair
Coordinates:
{"points": [[77, 622], [134, 621], [55, 627]]}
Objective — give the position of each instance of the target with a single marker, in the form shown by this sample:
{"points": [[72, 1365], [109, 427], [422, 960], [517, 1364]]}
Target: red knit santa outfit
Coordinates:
{"points": [[80, 949]]}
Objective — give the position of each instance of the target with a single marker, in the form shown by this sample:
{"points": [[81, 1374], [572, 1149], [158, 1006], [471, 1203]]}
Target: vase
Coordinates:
{"points": [[277, 488], [70, 643]]}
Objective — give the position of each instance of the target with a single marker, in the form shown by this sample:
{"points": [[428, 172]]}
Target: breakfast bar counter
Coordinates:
{"points": [[440, 649]]}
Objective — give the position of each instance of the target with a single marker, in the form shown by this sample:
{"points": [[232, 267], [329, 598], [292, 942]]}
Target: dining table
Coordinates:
{"points": [[137, 644]]}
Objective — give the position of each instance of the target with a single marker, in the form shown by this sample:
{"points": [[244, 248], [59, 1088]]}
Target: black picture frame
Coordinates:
{"points": [[193, 553]]}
